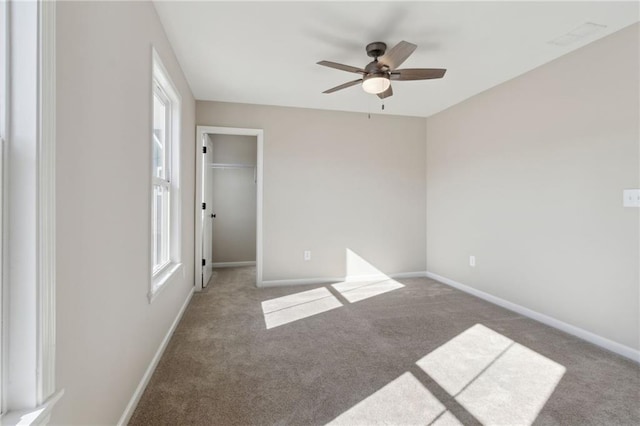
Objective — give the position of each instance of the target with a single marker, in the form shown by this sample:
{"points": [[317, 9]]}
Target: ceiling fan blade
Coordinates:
{"points": [[386, 93], [417, 74], [342, 67], [397, 54], [343, 86]]}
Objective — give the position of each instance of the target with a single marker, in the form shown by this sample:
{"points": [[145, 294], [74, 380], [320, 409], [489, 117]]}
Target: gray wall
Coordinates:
{"points": [[107, 332], [528, 177], [335, 181], [234, 199]]}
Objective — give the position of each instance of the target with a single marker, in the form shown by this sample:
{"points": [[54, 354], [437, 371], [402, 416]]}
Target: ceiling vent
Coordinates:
{"points": [[583, 31]]}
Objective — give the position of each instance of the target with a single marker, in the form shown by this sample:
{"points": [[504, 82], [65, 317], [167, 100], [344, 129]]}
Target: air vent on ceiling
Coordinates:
{"points": [[583, 31]]}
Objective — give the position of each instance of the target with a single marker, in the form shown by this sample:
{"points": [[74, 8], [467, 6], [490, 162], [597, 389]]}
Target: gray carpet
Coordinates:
{"points": [[408, 352]]}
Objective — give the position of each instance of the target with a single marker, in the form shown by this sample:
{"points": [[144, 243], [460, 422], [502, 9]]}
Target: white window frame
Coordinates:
{"points": [[4, 99], [28, 213], [161, 84]]}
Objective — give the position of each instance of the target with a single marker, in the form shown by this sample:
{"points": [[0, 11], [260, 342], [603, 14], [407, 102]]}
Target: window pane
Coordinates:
{"points": [[160, 237], [159, 136]]}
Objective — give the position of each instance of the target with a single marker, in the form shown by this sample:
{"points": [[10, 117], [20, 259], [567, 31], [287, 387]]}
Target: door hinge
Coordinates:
{"points": [[204, 149], [204, 206], [204, 262]]}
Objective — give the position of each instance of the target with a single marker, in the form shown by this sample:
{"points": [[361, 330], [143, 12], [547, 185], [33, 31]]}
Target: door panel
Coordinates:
{"points": [[207, 213]]}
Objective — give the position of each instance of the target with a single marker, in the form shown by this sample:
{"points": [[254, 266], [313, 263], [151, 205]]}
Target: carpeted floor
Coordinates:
{"points": [[411, 351]]}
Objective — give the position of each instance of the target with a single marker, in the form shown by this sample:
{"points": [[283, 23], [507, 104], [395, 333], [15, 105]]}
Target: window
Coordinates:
{"points": [[165, 173], [161, 212]]}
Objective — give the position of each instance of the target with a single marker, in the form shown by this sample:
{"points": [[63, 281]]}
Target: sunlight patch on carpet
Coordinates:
{"points": [[514, 389], [447, 419], [456, 363], [293, 307], [404, 401], [495, 379], [355, 291]]}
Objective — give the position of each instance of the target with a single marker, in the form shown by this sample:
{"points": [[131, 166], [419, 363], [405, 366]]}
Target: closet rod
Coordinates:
{"points": [[231, 166]]}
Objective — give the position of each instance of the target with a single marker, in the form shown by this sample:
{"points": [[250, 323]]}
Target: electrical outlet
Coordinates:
{"points": [[472, 261], [631, 198], [307, 255]]}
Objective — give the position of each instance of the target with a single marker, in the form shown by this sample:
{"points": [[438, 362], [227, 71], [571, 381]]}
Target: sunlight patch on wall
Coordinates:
{"points": [[404, 401], [293, 307], [363, 280], [359, 269]]}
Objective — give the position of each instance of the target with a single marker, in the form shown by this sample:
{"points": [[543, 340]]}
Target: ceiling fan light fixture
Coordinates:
{"points": [[375, 84]]}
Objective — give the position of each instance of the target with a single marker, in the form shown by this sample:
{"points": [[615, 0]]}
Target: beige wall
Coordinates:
{"points": [[107, 332], [234, 198], [528, 177], [335, 181]]}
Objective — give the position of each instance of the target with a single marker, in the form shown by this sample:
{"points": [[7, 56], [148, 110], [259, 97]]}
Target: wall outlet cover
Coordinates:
{"points": [[631, 198]]}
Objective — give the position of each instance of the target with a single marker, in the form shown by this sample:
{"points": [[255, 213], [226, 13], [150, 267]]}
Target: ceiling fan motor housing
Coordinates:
{"points": [[376, 49], [375, 67]]}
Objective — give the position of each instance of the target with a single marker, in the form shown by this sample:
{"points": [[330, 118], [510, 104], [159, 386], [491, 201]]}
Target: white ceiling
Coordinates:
{"points": [[266, 52]]}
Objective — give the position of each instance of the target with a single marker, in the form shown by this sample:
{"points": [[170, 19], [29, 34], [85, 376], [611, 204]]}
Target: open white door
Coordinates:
{"points": [[207, 214]]}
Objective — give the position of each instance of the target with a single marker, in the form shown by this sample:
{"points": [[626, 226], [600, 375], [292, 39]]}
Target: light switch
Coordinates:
{"points": [[631, 198]]}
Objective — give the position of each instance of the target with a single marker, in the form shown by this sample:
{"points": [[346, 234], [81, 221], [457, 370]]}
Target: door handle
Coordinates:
{"points": [[213, 215]]}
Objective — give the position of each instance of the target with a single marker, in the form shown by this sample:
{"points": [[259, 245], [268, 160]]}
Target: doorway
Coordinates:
{"points": [[226, 157]]}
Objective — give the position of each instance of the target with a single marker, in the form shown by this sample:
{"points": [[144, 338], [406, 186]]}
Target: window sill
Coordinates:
{"points": [[159, 280], [35, 416]]}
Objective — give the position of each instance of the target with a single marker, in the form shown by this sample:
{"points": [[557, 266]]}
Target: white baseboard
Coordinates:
{"points": [[368, 277], [135, 398], [300, 281], [332, 280], [233, 264], [603, 342], [416, 274]]}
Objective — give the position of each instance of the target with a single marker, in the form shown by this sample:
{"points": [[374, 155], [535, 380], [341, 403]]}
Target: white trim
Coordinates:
{"points": [[162, 277], [4, 119], [35, 416], [200, 132], [590, 337], [372, 277], [137, 394], [46, 333], [233, 264], [416, 274], [368, 277], [300, 281], [332, 280]]}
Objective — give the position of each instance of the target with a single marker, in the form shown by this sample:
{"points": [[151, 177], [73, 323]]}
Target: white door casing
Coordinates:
{"points": [[201, 132]]}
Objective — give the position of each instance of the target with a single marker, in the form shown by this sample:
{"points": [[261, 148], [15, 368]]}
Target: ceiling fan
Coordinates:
{"points": [[377, 75]]}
